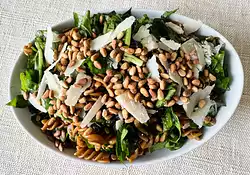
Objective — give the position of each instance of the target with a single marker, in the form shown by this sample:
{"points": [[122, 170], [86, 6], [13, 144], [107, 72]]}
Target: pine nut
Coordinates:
{"points": [[82, 100], [63, 107], [104, 113], [51, 94], [137, 97], [87, 92], [138, 51], [130, 51], [141, 76], [113, 54], [113, 111], [145, 70], [150, 104], [144, 58], [152, 86], [111, 93], [72, 63], [118, 57], [130, 95], [72, 109], [176, 98], [103, 52], [171, 103], [151, 81], [132, 85], [162, 85], [185, 81], [117, 105], [82, 81], [162, 57], [212, 77], [186, 93], [141, 83], [202, 103], [172, 68], [124, 113], [164, 75], [160, 94], [45, 94], [110, 104], [113, 44], [87, 107], [189, 74], [196, 82], [144, 51], [173, 56], [182, 73], [135, 78], [206, 73], [97, 65], [126, 82], [144, 92], [194, 89], [132, 70], [184, 99], [125, 66], [94, 57], [119, 91], [152, 93]]}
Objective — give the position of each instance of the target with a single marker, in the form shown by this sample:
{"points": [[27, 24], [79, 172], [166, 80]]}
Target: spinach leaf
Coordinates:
{"points": [[141, 21], [157, 146], [167, 14], [93, 69], [126, 141], [218, 69], [159, 30], [85, 25], [168, 145], [18, 102], [41, 63], [96, 26], [171, 123], [126, 14], [170, 94], [76, 19], [175, 146], [112, 20], [28, 80]]}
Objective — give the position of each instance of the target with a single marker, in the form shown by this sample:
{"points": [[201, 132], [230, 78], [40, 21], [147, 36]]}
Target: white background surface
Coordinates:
{"points": [[226, 153]]}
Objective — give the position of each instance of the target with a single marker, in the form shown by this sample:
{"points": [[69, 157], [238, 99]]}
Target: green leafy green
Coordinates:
{"points": [[170, 94], [168, 145], [159, 30], [93, 69], [218, 69], [167, 14], [18, 102], [133, 59], [175, 146], [85, 24], [128, 36], [157, 146], [141, 21], [171, 123], [126, 141], [40, 60], [76, 19], [29, 80]]}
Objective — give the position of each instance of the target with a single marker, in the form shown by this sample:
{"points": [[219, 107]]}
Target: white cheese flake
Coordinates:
{"points": [[152, 66], [170, 43], [92, 112], [136, 109]]}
